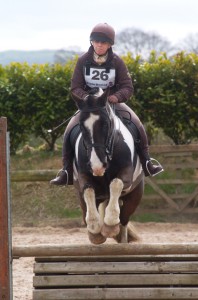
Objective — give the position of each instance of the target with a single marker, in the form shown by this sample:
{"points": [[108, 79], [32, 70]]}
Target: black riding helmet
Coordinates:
{"points": [[103, 32]]}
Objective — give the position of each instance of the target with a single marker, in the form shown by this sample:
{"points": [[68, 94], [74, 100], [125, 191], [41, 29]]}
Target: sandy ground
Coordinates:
{"points": [[149, 233]]}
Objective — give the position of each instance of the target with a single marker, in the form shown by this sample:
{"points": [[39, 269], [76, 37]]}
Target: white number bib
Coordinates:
{"points": [[100, 78]]}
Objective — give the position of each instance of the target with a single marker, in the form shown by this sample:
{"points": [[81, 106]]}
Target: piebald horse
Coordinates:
{"points": [[108, 175]]}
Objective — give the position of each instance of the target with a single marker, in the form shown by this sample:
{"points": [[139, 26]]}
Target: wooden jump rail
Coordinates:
{"points": [[100, 250], [114, 272]]}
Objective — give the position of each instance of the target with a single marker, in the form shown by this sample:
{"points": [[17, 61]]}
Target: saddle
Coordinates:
{"points": [[131, 127]]}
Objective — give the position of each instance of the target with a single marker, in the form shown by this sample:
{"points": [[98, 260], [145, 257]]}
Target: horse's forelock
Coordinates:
{"points": [[91, 101]]}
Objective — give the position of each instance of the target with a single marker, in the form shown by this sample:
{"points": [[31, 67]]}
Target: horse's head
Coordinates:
{"points": [[96, 127]]}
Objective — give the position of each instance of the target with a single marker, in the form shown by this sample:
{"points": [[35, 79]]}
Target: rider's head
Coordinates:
{"points": [[103, 32]]}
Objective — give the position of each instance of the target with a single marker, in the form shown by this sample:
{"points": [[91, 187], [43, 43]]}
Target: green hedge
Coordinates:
{"points": [[166, 93], [34, 99], [37, 97]]}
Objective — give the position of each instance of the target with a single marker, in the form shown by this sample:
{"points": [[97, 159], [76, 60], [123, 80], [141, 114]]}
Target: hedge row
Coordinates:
{"points": [[37, 97], [34, 99], [166, 94]]}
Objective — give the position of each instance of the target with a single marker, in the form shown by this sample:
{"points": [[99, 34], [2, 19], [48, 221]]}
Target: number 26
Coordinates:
{"points": [[97, 75]]}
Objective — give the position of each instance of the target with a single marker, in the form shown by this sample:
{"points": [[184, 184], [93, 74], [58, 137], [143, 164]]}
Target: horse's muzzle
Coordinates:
{"points": [[98, 171]]}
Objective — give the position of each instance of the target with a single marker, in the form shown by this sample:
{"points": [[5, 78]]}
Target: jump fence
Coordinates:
{"points": [[113, 278], [112, 272]]}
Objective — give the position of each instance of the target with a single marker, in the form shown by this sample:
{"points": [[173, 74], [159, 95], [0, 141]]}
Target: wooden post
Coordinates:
{"points": [[5, 224]]}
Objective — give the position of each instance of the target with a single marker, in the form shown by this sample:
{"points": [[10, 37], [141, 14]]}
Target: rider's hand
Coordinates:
{"points": [[113, 99]]}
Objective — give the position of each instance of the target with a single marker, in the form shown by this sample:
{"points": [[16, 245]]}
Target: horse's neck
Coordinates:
{"points": [[118, 124], [114, 119]]}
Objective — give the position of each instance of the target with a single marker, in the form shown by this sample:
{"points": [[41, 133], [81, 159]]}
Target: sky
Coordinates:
{"points": [[65, 24]]}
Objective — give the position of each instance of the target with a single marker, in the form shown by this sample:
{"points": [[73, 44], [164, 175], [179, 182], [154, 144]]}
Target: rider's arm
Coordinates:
{"points": [[123, 81], [78, 81]]}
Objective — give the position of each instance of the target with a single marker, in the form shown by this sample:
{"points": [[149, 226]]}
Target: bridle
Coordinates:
{"points": [[110, 140]]}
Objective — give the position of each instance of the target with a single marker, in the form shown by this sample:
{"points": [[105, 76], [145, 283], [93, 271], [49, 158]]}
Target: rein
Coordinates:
{"points": [[111, 142]]}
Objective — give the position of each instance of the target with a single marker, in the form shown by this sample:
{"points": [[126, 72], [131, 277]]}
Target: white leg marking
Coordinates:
{"points": [[92, 216], [112, 212], [101, 210]]}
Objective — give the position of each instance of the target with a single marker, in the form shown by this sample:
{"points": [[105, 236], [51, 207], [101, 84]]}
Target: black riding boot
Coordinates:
{"points": [[65, 175], [150, 166]]}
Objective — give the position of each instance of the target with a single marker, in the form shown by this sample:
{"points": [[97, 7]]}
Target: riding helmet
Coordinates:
{"points": [[103, 32]]}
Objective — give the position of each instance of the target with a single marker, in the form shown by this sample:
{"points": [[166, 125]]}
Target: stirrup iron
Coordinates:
{"points": [[158, 165]]}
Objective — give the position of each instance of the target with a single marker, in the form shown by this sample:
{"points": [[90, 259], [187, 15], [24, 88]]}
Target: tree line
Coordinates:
{"points": [[37, 98], [141, 42]]}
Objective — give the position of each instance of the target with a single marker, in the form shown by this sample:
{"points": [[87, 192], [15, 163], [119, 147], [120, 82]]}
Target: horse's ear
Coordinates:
{"points": [[79, 101], [104, 97]]}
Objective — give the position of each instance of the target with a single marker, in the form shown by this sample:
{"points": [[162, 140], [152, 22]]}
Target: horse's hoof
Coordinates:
{"points": [[110, 231], [97, 238]]}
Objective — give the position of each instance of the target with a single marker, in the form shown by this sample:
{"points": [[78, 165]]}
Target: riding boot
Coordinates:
{"points": [[151, 166], [65, 175]]}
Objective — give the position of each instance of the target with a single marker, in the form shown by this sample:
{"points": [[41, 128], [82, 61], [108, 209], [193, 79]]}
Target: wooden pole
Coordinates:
{"points": [[5, 230], [33, 175], [106, 249]]}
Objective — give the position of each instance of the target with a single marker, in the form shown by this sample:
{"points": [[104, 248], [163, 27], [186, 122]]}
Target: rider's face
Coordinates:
{"points": [[101, 47]]}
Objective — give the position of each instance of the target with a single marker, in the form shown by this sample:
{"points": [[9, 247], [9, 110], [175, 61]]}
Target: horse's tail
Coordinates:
{"points": [[132, 233]]}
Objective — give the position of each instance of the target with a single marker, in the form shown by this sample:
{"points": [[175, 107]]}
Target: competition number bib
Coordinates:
{"points": [[100, 78]]}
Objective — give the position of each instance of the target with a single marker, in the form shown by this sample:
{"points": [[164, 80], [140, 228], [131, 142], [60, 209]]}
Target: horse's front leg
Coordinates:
{"points": [[93, 218], [112, 213], [92, 215]]}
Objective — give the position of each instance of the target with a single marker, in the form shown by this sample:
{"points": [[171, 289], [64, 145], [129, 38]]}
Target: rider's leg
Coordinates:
{"points": [[65, 175], [142, 147]]}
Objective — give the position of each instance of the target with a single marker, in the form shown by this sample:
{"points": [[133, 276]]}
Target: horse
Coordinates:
{"points": [[108, 175]]}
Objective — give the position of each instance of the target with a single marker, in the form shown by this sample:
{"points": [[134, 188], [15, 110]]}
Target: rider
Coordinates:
{"points": [[101, 67]]}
